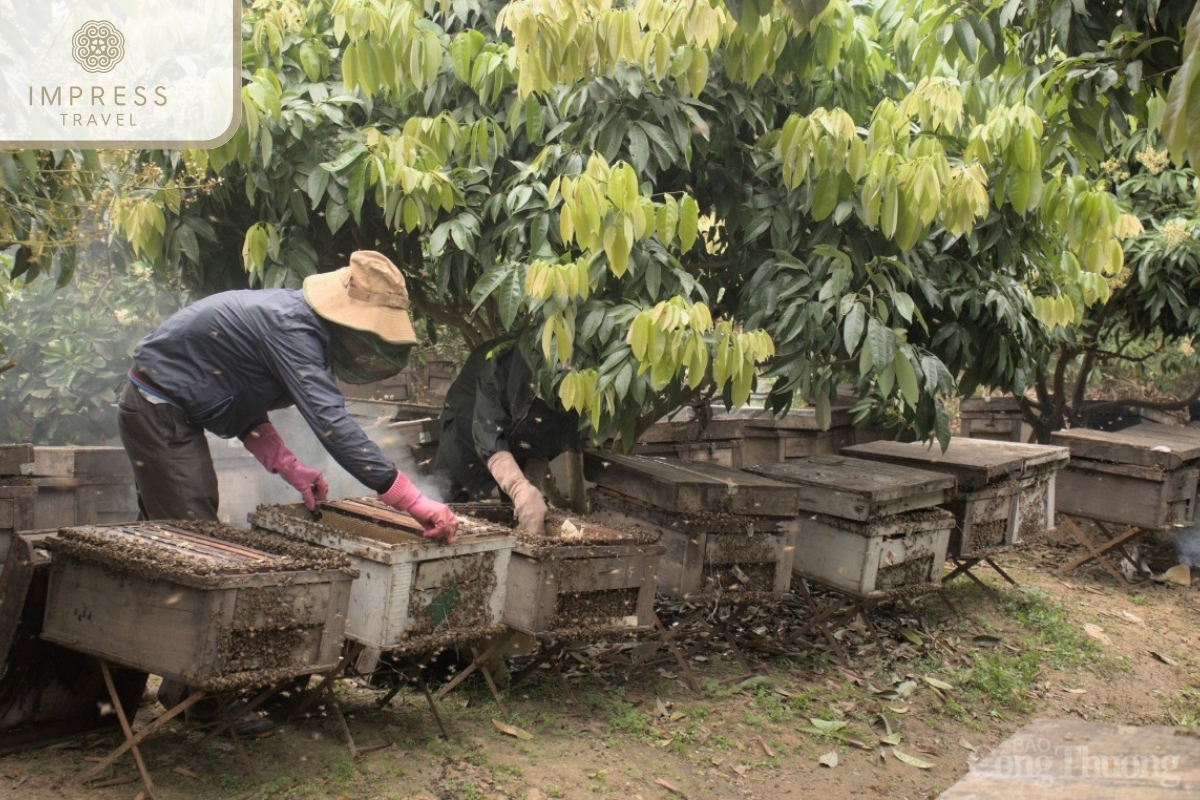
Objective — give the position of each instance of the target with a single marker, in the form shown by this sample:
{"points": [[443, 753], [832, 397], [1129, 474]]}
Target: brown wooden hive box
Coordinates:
{"points": [[411, 592], [215, 607], [724, 530], [580, 578], [90, 485], [1144, 476], [1005, 490], [16, 510]]}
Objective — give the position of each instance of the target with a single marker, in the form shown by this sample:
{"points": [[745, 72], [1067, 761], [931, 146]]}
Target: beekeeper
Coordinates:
{"points": [[222, 363], [497, 432]]}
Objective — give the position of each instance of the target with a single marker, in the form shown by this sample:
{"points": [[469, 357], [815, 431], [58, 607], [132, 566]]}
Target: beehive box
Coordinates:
{"points": [[211, 606], [409, 588], [577, 576], [724, 530], [872, 558], [1003, 488], [709, 554], [1144, 476], [745, 437], [90, 485], [993, 418], [868, 527]]}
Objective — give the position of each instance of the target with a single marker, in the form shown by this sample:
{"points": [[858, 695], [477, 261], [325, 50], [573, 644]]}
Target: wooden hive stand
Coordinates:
{"points": [[870, 533], [1005, 492], [1130, 483]]}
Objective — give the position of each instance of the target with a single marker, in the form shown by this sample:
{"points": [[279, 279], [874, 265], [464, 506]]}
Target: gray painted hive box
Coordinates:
{"points": [[725, 531], [410, 591], [868, 528], [209, 605], [1005, 490], [1144, 476]]}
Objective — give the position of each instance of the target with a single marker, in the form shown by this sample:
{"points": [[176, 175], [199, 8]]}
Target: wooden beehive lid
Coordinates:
{"points": [[15, 459], [974, 463], [688, 487], [858, 489], [1148, 444]]}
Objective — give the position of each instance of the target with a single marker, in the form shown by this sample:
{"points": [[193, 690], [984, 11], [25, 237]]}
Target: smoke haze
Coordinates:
{"points": [[244, 484]]}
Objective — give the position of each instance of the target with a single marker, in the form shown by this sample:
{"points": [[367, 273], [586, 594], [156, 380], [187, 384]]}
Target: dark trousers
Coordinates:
{"points": [[172, 465]]}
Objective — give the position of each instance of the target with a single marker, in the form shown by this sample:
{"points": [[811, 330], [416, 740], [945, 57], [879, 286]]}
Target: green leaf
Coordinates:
{"points": [[853, 326], [881, 342], [488, 283], [510, 296], [689, 222], [906, 379]]}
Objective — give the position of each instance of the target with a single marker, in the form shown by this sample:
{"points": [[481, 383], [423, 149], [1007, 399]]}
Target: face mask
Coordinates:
{"points": [[360, 357]]}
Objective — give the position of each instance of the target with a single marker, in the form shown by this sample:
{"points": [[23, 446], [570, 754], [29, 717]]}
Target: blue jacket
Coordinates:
{"points": [[230, 358]]}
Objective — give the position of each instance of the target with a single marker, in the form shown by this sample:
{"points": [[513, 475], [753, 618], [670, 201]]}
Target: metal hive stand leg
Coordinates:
{"points": [[963, 566]]}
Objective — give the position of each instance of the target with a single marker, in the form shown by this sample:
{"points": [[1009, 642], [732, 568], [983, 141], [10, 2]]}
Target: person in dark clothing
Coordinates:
{"points": [[497, 432], [222, 363]]}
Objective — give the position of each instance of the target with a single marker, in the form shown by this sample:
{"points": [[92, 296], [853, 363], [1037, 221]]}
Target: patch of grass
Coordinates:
{"points": [[1001, 678], [1184, 710], [463, 790]]}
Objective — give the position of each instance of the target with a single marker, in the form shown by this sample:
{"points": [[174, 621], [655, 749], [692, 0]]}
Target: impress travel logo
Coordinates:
{"points": [[84, 73]]}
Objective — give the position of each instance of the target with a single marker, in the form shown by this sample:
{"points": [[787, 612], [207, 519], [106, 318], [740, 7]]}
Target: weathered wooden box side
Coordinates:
{"points": [[1037, 502], [724, 452], [560, 588], [15, 459], [68, 502], [16, 513], [720, 559], [407, 586], [985, 519], [873, 558], [1127, 494], [210, 636]]}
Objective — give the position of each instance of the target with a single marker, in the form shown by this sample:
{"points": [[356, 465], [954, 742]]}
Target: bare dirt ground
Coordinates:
{"points": [[904, 720]]}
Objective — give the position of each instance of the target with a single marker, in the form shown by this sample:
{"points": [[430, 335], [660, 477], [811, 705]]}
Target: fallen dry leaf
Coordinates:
{"points": [[185, 772], [1071, 690], [830, 759], [1097, 633], [912, 761], [670, 787], [1131, 616], [1170, 662], [764, 746], [965, 745], [511, 730]]}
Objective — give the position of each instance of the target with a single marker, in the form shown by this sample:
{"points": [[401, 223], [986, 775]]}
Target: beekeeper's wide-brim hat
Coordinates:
{"points": [[368, 295]]}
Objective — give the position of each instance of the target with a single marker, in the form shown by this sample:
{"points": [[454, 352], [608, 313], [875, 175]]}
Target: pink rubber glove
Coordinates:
{"points": [[266, 445], [438, 519]]}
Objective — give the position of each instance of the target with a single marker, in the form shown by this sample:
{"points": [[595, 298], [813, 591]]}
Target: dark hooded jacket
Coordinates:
{"points": [[493, 406], [228, 359]]}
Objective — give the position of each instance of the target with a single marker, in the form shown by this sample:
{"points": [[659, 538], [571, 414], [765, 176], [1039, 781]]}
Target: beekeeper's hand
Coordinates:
{"points": [[527, 500], [267, 446], [437, 518]]}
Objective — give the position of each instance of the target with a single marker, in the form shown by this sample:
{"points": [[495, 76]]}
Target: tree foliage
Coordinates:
{"points": [[684, 200]]}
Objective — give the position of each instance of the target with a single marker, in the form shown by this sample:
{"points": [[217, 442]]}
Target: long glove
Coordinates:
{"points": [[266, 445], [438, 519], [527, 500]]}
